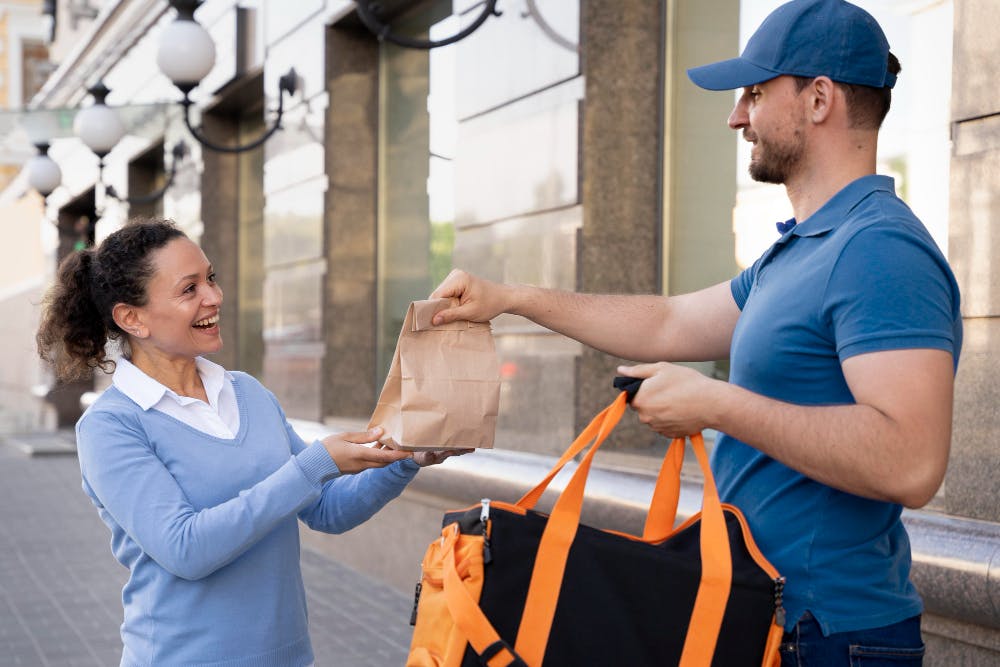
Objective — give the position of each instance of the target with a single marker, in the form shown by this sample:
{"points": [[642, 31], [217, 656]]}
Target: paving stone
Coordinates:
{"points": [[60, 587]]}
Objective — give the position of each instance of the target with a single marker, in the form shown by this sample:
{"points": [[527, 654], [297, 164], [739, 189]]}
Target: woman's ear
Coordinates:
{"points": [[129, 320]]}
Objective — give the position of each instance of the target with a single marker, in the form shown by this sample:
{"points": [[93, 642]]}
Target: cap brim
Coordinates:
{"points": [[729, 75]]}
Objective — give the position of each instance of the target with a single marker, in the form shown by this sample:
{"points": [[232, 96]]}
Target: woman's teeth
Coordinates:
{"points": [[207, 322]]}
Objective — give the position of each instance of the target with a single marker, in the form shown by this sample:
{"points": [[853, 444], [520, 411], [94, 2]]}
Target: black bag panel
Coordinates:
{"points": [[611, 609]]}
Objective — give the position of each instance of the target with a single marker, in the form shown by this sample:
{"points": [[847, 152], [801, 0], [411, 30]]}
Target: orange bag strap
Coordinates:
{"points": [[716, 571], [663, 509], [593, 429], [666, 494], [550, 561], [467, 615], [553, 550]]}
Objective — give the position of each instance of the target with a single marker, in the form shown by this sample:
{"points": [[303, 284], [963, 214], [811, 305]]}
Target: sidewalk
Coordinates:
{"points": [[60, 587]]}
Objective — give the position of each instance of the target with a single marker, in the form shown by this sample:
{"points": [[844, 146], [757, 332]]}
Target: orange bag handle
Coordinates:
{"points": [[467, 614], [550, 561], [666, 494], [595, 428], [663, 508]]}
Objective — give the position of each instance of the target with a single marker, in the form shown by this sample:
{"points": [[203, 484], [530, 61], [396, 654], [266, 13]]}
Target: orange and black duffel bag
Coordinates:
{"points": [[505, 584]]}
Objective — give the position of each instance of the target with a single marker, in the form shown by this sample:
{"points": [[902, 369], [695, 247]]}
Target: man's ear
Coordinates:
{"points": [[129, 319], [822, 94]]}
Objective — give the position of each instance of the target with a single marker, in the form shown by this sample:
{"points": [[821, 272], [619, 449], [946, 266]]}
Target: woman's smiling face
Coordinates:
{"points": [[181, 315]]}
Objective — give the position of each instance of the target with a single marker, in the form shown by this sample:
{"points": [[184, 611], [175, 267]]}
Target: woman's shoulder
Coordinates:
{"points": [[250, 386], [111, 411], [245, 381], [111, 401]]}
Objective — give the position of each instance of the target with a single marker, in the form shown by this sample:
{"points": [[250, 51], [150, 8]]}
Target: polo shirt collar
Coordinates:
{"points": [[147, 392], [835, 210]]}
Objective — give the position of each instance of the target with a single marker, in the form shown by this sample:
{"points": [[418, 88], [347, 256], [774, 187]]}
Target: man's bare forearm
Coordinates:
{"points": [[636, 327]]}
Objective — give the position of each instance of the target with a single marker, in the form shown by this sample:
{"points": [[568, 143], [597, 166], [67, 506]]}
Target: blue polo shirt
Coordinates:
{"points": [[862, 274]]}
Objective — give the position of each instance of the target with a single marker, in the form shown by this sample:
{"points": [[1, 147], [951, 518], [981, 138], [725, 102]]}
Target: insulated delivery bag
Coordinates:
{"points": [[505, 584]]}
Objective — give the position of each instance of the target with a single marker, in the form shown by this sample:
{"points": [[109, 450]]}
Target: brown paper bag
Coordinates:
{"points": [[443, 388]]}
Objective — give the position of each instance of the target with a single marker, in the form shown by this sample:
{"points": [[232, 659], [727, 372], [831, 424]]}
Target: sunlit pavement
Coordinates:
{"points": [[60, 587]]}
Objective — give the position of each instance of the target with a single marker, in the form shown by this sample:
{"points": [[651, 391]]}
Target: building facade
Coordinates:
{"points": [[559, 144]]}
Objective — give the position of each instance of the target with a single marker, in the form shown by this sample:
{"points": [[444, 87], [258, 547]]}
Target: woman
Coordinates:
{"points": [[195, 469]]}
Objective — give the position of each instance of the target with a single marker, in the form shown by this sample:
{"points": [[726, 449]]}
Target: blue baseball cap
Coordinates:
{"points": [[807, 38]]}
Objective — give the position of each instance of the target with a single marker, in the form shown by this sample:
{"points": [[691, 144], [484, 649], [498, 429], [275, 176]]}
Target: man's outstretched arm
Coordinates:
{"points": [[690, 327]]}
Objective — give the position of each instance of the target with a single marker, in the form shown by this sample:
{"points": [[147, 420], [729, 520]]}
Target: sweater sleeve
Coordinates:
{"points": [[128, 481], [348, 501]]}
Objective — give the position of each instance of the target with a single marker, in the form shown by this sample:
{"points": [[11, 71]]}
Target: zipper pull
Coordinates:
{"points": [[779, 593], [416, 601], [484, 518]]}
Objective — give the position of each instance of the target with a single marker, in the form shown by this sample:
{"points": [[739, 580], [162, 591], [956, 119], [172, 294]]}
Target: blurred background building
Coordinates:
{"points": [[559, 143]]}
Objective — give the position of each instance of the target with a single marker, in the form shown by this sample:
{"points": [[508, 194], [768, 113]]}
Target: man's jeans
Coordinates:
{"points": [[898, 645]]}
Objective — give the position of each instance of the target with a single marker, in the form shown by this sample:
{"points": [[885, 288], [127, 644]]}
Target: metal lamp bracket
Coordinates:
{"points": [[288, 83], [368, 11], [179, 151]]}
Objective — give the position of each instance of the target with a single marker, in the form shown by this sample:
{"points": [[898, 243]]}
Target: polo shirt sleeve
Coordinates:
{"points": [[741, 285], [891, 289]]}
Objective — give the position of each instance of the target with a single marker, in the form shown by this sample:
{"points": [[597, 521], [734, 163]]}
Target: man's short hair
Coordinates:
{"points": [[866, 106]]}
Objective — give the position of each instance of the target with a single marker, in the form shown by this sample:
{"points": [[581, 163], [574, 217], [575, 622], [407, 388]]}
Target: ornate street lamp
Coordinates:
{"points": [[187, 54], [44, 175], [99, 126]]}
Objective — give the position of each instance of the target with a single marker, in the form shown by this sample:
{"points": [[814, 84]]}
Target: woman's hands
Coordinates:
{"points": [[352, 454], [424, 459]]}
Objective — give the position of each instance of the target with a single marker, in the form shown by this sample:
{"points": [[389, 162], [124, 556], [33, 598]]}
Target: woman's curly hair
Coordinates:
{"points": [[77, 320]]}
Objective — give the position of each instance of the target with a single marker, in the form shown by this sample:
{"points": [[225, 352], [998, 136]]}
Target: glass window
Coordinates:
{"points": [[417, 137]]}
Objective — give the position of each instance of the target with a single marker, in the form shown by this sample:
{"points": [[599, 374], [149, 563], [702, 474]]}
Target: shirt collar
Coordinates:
{"points": [[213, 377], [835, 210], [147, 392]]}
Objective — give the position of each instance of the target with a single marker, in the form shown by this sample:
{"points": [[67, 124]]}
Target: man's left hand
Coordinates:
{"points": [[672, 400]]}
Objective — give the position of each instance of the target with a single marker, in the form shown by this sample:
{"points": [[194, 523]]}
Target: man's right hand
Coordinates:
{"points": [[352, 455], [480, 300]]}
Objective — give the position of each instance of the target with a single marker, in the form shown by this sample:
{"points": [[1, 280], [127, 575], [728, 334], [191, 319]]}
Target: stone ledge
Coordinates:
{"points": [[956, 561]]}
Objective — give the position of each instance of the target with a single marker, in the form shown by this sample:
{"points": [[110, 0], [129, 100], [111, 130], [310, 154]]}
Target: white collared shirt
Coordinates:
{"points": [[220, 417]]}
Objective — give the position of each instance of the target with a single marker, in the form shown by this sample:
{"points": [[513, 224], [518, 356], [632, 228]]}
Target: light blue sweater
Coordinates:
{"points": [[207, 527]]}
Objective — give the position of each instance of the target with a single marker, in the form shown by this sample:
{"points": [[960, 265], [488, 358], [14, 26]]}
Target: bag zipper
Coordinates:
{"points": [[779, 593], [416, 601], [484, 518]]}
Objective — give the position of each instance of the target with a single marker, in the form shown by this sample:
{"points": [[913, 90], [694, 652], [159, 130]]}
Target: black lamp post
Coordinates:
{"points": [[187, 54]]}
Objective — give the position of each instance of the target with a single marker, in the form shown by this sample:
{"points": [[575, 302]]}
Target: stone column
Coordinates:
{"points": [[349, 307], [974, 244], [619, 244]]}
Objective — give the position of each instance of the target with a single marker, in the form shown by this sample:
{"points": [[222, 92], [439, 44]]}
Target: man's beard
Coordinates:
{"points": [[776, 162]]}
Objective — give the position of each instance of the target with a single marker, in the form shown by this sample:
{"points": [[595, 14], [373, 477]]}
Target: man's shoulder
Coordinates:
{"points": [[882, 207]]}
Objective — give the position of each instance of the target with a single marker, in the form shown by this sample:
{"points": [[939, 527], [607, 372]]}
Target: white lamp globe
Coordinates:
{"points": [[44, 175], [186, 53], [99, 127]]}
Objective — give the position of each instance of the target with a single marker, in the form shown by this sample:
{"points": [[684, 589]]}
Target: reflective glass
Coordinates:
{"points": [[539, 47], [416, 189], [293, 223], [293, 298]]}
